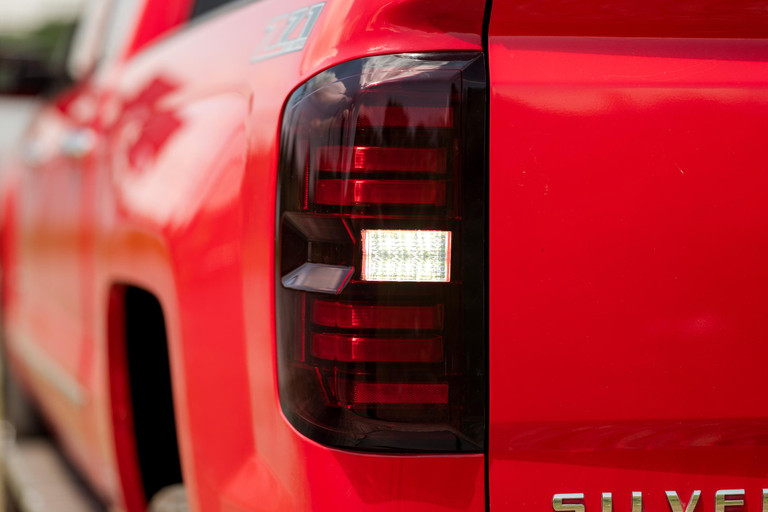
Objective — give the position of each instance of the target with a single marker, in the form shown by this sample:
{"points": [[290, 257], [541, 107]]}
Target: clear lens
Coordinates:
{"points": [[405, 255]]}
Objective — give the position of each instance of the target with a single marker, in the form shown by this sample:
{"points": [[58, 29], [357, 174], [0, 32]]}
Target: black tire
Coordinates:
{"points": [[169, 499]]}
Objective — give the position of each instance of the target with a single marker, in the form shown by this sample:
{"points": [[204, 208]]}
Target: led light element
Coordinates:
{"points": [[406, 255]]}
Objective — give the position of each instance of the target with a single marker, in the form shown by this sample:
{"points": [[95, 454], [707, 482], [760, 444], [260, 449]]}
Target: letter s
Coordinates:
{"points": [[559, 506]]}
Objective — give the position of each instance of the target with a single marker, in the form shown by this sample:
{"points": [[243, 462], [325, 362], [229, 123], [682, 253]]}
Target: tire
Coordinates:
{"points": [[169, 499]]}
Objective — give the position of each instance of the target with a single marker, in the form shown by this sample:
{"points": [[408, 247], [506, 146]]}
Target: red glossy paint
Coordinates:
{"points": [[177, 198], [156, 19], [627, 269], [631, 18], [627, 281]]}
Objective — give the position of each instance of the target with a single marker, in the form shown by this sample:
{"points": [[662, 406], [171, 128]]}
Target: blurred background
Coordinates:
{"points": [[34, 36]]}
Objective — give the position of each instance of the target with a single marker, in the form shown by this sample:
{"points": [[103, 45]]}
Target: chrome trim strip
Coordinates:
{"points": [[50, 370]]}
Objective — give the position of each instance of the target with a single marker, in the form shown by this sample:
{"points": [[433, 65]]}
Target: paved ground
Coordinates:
{"points": [[39, 479], [34, 474]]}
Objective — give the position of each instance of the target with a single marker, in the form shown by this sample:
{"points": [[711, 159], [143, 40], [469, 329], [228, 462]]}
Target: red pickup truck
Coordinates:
{"points": [[405, 255]]}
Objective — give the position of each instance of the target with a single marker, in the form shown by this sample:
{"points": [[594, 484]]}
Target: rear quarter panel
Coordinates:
{"points": [[186, 209]]}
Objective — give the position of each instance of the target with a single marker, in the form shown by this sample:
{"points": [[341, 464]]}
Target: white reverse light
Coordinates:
{"points": [[406, 255]]}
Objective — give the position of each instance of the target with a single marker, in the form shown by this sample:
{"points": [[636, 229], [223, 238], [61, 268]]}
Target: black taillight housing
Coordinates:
{"points": [[381, 265]]}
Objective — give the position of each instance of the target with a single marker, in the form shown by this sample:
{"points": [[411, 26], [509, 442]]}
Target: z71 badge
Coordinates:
{"points": [[288, 32]]}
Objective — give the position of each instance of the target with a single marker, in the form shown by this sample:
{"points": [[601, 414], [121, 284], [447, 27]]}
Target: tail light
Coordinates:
{"points": [[381, 260]]}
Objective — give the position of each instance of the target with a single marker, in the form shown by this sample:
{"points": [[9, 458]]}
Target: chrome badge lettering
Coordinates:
{"points": [[674, 501], [726, 500], [559, 506], [288, 32]]}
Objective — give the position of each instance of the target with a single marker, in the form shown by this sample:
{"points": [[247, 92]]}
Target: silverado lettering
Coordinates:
{"points": [[574, 502]]}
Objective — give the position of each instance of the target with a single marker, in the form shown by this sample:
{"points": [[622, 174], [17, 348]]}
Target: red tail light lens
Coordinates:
{"points": [[376, 393], [340, 347], [361, 316], [432, 117], [371, 159], [369, 192], [381, 275]]}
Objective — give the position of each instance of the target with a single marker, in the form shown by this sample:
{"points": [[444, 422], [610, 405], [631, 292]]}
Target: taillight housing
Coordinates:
{"points": [[381, 254]]}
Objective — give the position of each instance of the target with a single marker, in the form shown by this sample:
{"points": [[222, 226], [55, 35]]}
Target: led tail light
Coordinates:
{"points": [[381, 261], [372, 159], [406, 255], [361, 316], [353, 192], [346, 348]]}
